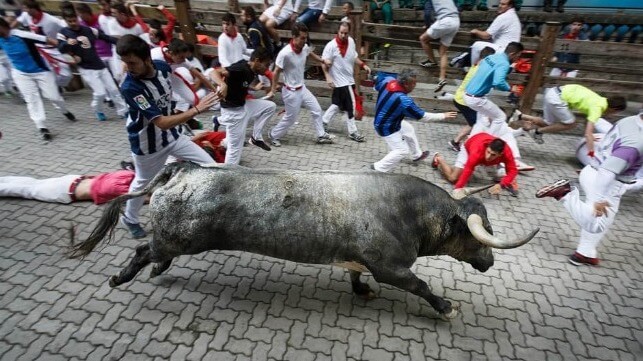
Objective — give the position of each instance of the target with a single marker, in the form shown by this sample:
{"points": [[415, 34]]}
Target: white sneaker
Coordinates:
{"points": [[514, 117]]}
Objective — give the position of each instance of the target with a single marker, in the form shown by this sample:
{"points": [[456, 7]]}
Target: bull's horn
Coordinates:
{"points": [[467, 191], [474, 222]]}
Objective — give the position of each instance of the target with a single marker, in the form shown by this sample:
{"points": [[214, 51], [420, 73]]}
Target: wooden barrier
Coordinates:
{"points": [[606, 67]]}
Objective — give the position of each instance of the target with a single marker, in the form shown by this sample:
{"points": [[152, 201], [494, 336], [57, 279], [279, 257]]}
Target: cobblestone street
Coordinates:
{"points": [[531, 305]]}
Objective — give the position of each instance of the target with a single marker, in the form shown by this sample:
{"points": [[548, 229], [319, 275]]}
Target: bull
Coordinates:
{"points": [[363, 221]]}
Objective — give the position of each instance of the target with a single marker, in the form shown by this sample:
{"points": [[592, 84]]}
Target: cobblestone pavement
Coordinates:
{"points": [[531, 305]]}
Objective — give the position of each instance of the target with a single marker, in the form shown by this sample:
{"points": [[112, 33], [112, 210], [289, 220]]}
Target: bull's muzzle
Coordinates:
{"points": [[476, 227]]}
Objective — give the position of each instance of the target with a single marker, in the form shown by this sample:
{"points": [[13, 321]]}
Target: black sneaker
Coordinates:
{"points": [[441, 85], [110, 103], [135, 229], [428, 64], [125, 165], [455, 146], [259, 143], [45, 134], [458, 59], [215, 123], [70, 116]]}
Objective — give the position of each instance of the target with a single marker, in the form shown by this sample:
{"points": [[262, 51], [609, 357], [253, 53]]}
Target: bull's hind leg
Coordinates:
{"points": [[159, 268], [405, 279], [361, 289], [140, 260]]}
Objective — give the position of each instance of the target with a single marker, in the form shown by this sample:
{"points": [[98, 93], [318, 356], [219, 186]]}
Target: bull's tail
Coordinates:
{"points": [[109, 219]]}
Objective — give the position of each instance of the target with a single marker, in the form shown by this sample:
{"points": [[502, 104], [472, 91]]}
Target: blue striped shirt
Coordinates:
{"points": [[492, 73], [148, 99], [392, 107]]}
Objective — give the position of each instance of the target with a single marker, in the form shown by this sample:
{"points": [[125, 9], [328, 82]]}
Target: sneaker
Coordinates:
{"points": [[125, 165], [557, 190], [356, 137], [435, 161], [70, 116], [194, 124], [455, 146], [441, 85], [101, 116], [45, 134], [325, 139], [215, 123], [458, 59], [515, 116], [538, 136], [428, 63], [134, 228], [422, 156], [259, 143], [578, 259], [110, 103], [275, 142], [325, 127]]}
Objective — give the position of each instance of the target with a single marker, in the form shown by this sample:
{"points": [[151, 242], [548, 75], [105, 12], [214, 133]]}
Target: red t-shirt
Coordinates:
{"points": [[107, 186], [476, 147]]}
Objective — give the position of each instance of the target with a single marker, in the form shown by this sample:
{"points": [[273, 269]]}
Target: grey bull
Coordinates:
{"points": [[364, 221]]}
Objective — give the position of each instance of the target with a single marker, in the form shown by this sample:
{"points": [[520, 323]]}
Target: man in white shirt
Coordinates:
{"points": [[504, 29], [231, 47], [275, 15], [123, 23], [342, 55], [291, 61]]}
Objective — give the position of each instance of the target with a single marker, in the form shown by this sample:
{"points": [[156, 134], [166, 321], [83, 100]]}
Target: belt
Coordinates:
{"points": [[293, 89], [474, 96], [74, 185]]}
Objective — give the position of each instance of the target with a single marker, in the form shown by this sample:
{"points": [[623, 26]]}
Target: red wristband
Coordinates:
{"points": [[363, 65]]}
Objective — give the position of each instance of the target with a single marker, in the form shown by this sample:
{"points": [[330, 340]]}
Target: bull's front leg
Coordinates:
{"points": [[159, 268], [405, 279], [141, 259], [361, 289]]}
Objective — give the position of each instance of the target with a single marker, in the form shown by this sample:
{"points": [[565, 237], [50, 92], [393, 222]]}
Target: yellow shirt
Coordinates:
{"points": [[459, 93], [584, 100]]}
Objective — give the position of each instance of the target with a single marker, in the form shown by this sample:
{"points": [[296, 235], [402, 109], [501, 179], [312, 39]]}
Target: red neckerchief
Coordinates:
{"points": [[36, 18], [292, 46], [130, 23], [395, 87], [342, 45], [94, 21], [233, 33], [571, 36]]}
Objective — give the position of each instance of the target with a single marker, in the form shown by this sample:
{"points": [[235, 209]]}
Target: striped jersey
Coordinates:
{"points": [[147, 99], [393, 104]]}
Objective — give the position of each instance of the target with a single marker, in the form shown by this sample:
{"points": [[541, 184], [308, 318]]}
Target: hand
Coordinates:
{"points": [[72, 41], [367, 69], [207, 101], [511, 190], [450, 115], [77, 59], [293, 17], [322, 18], [223, 91], [495, 190], [328, 62], [258, 86], [600, 208], [330, 83], [160, 7]]}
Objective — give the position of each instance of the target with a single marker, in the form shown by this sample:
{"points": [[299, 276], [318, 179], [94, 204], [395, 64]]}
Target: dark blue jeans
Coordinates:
{"points": [[309, 16]]}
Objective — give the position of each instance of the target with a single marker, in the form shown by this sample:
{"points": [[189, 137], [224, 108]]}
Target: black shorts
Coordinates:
{"points": [[344, 98], [468, 113]]}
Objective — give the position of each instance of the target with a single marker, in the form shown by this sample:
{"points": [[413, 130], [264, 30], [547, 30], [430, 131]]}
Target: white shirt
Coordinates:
{"points": [[104, 22], [342, 68], [231, 50], [116, 29], [48, 26], [158, 53], [505, 28], [293, 65]]}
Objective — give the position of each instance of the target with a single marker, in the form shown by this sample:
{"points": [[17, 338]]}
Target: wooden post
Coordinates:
{"points": [[539, 65], [234, 7], [367, 18], [356, 17], [185, 21]]}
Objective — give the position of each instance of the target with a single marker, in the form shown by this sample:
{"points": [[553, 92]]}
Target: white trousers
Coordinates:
{"points": [[102, 85], [592, 228], [334, 109], [5, 73], [54, 190], [400, 144], [477, 47], [147, 166], [498, 129], [31, 85], [294, 100], [236, 121]]}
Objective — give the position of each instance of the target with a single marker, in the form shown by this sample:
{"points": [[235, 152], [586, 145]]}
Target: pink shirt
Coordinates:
{"points": [[108, 186]]}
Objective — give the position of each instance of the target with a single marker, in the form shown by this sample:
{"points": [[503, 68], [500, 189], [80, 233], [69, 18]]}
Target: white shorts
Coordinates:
{"points": [[444, 29], [462, 158], [284, 14], [555, 109]]}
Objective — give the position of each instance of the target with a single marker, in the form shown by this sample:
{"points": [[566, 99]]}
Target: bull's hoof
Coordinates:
{"points": [[363, 291], [155, 271], [367, 296], [113, 281], [451, 314]]}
